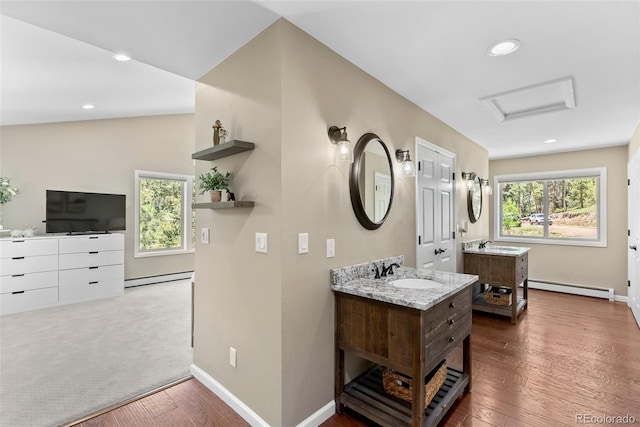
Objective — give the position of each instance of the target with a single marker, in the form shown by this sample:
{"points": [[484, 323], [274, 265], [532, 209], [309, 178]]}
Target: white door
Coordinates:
{"points": [[382, 195], [435, 208], [633, 170]]}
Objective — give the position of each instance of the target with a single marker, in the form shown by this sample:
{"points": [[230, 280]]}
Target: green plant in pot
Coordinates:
{"points": [[214, 182]]}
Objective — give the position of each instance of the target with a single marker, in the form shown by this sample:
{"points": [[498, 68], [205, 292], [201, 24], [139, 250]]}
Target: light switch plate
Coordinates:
{"points": [[204, 236], [303, 243], [262, 243], [331, 248], [233, 357]]}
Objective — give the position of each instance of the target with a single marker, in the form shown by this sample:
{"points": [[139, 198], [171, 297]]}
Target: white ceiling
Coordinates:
{"points": [[57, 56]]}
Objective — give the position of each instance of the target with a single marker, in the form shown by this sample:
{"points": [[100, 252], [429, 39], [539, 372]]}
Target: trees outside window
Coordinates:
{"points": [[164, 219], [565, 207]]}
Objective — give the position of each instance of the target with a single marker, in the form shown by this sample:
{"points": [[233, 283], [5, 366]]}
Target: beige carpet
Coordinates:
{"points": [[61, 363]]}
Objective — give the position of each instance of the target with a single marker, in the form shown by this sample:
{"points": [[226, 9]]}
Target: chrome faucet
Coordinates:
{"points": [[483, 245]]}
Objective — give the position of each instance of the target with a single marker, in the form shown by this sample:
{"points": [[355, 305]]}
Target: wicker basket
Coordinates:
{"points": [[399, 385], [498, 296]]}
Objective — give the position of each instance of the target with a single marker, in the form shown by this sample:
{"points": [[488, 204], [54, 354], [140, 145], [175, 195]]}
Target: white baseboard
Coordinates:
{"points": [[622, 298], [157, 279], [606, 293], [320, 416], [227, 397]]}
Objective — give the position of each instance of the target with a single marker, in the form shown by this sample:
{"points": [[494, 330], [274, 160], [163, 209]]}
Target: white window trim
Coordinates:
{"points": [[600, 173], [188, 182]]}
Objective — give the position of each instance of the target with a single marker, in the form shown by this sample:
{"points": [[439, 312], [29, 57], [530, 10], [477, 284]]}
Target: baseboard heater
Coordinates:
{"points": [[157, 279], [606, 293]]}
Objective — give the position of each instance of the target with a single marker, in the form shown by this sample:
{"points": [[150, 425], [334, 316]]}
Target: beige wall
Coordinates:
{"points": [[95, 156], [277, 309], [634, 144], [578, 265]]}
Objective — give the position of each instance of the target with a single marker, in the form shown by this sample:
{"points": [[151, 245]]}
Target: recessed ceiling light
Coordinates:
{"points": [[121, 57], [550, 141], [88, 106], [504, 47]]}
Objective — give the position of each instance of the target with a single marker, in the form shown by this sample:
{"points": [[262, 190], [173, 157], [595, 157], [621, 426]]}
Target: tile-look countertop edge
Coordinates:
{"points": [[421, 299]]}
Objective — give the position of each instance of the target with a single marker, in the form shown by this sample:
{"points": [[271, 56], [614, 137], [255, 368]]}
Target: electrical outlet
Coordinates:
{"points": [[303, 243], [233, 357], [204, 236], [262, 243], [331, 248]]}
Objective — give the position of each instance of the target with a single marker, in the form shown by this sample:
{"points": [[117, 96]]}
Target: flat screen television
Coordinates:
{"points": [[81, 212]]}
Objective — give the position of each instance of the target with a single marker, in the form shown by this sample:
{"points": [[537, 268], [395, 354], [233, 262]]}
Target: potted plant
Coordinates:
{"points": [[214, 182], [6, 193]]}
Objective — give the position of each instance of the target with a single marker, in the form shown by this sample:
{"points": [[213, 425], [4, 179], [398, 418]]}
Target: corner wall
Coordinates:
{"points": [[634, 144], [581, 265], [96, 156]]}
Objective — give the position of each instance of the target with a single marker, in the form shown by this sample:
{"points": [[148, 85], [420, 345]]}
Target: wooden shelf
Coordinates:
{"points": [[223, 150], [223, 205], [480, 304], [366, 395]]}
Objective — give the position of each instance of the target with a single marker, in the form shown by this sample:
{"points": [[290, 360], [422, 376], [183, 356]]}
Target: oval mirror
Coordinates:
{"points": [[371, 181], [474, 199]]}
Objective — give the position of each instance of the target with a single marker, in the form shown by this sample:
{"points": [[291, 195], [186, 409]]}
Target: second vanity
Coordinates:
{"points": [[408, 330], [503, 266]]}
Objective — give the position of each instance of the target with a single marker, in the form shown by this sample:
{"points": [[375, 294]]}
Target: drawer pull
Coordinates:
{"points": [[452, 339], [451, 321], [93, 253], [93, 283], [17, 292], [18, 257], [17, 241], [93, 268], [17, 275], [93, 237], [452, 304]]}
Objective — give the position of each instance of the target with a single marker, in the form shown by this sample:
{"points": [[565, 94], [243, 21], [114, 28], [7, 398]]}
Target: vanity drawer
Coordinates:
{"points": [[31, 264], [25, 282], [522, 269], [454, 307], [28, 300], [443, 342], [79, 244], [28, 247]]}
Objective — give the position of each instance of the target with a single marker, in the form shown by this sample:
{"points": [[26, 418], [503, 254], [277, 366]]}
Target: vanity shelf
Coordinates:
{"points": [[223, 205], [223, 150], [366, 395]]}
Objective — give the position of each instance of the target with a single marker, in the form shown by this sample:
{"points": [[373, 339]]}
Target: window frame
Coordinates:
{"points": [[187, 186], [600, 173]]}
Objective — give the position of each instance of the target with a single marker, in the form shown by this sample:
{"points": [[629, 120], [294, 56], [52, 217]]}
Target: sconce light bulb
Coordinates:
{"points": [[469, 185], [408, 168], [344, 151]]}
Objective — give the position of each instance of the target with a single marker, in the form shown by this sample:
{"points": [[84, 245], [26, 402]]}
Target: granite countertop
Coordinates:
{"points": [[422, 299], [514, 251]]}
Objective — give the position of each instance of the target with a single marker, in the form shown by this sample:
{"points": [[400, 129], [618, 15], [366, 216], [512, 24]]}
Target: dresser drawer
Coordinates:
{"points": [[31, 264], [73, 292], [28, 300], [90, 259], [79, 244], [29, 281], [92, 274], [28, 247]]}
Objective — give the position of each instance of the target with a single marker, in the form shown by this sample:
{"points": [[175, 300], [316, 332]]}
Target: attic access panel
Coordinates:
{"points": [[541, 98]]}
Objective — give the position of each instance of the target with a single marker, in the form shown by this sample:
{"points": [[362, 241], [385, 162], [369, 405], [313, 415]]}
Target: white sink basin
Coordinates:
{"points": [[415, 284], [502, 248]]}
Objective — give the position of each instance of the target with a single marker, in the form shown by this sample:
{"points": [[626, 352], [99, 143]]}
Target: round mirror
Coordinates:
{"points": [[371, 181], [474, 199]]}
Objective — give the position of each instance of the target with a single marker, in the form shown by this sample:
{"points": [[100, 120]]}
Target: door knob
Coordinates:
{"points": [[634, 247]]}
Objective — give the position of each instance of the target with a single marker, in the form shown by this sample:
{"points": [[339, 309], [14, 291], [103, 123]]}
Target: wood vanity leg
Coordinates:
{"points": [[466, 359], [339, 361], [525, 292], [418, 374], [514, 304]]}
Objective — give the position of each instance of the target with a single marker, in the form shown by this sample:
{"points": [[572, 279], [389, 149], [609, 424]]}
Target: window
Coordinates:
{"points": [[164, 220], [564, 207]]}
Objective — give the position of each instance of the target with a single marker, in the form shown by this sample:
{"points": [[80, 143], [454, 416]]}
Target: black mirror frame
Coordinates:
{"points": [[472, 216], [354, 185]]}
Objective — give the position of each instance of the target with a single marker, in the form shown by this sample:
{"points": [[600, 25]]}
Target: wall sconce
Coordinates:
{"points": [[469, 177], [486, 187], [338, 136], [408, 168]]}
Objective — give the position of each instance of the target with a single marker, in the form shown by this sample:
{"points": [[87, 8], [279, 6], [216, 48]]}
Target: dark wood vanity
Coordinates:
{"points": [[410, 341]]}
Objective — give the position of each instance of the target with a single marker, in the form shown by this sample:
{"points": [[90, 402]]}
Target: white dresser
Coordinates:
{"points": [[44, 271]]}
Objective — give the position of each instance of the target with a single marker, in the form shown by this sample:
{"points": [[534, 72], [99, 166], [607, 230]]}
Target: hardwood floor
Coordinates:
{"points": [[567, 356]]}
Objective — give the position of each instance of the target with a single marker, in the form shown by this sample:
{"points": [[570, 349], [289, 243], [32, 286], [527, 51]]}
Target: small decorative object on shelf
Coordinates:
{"points": [[219, 133], [230, 196], [214, 182], [497, 296], [400, 385]]}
